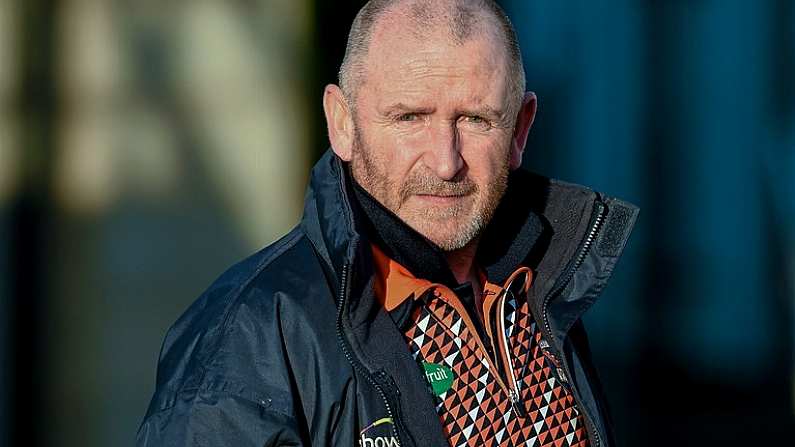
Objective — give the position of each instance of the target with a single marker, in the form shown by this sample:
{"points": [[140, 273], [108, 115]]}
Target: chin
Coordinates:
{"points": [[443, 235]]}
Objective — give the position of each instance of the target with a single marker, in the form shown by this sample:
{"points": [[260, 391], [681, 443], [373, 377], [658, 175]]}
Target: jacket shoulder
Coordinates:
{"points": [[229, 339]]}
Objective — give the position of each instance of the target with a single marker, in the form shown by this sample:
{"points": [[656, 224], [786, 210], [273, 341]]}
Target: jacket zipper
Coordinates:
{"points": [[593, 232], [353, 361], [513, 390], [492, 360]]}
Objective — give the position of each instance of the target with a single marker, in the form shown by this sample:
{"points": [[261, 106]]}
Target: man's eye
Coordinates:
{"points": [[476, 120], [408, 117]]}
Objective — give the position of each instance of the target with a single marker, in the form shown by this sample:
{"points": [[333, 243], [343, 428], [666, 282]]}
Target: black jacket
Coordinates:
{"points": [[290, 347]]}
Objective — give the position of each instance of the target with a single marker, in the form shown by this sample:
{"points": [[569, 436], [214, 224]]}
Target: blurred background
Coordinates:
{"points": [[145, 146]]}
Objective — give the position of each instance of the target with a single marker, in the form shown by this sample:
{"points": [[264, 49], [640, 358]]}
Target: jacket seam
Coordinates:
{"points": [[194, 391], [238, 292]]}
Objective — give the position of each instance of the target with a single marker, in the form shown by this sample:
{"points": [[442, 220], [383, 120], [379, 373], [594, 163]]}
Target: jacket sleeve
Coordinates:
{"points": [[209, 418], [222, 380]]}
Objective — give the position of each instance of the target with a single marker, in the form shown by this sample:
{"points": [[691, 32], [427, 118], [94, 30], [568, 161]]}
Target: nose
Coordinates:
{"points": [[443, 154]]}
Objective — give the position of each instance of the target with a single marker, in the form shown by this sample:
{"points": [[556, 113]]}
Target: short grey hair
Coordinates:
{"points": [[462, 19]]}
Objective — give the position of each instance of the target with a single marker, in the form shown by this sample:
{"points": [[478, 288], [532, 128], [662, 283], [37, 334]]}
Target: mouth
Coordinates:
{"points": [[439, 199]]}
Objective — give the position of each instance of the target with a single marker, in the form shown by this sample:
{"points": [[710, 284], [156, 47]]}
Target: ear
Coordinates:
{"points": [[339, 121], [524, 121]]}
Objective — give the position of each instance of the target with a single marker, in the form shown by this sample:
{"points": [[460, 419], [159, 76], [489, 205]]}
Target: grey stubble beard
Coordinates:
{"points": [[367, 173]]}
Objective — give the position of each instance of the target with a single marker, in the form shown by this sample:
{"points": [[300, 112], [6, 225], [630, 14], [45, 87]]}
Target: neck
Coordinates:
{"points": [[462, 263]]}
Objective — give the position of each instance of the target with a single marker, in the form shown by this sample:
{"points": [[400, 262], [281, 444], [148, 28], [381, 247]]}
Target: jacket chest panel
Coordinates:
{"points": [[475, 406]]}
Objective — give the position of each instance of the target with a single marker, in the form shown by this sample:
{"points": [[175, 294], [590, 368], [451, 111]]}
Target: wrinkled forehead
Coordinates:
{"points": [[403, 61]]}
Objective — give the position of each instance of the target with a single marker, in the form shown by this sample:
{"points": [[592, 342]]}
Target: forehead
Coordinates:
{"points": [[404, 62]]}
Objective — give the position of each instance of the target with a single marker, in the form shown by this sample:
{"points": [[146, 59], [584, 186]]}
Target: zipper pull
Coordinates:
{"points": [[516, 403], [562, 376], [561, 373]]}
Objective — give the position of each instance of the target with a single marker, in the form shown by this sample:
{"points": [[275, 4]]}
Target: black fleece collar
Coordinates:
{"points": [[506, 244]]}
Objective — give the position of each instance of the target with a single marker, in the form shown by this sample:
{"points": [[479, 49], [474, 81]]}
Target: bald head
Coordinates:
{"points": [[455, 20]]}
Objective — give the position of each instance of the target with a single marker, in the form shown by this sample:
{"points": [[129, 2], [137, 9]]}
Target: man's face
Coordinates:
{"points": [[433, 133]]}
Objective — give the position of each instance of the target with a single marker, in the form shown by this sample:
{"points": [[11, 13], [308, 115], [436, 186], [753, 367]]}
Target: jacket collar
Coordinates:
{"points": [[328, 216]]}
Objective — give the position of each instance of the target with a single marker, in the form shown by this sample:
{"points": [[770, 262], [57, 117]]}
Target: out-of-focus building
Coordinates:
{"points": [[180, 144]]}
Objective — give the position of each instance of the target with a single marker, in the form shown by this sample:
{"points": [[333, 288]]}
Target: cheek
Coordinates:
{"points": [[486, 162], [399, 153]]}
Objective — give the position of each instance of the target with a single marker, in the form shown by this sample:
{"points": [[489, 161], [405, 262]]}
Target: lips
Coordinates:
{"points": [[439, 200], [436, 197], [443, 196], [438, 193]]}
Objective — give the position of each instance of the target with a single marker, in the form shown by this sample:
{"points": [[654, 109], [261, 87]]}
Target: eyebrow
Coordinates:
{"points": [[400, 107], [485, 110]]}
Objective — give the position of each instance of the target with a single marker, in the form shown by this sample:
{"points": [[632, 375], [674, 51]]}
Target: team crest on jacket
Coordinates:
{"points": [[378, 434]]}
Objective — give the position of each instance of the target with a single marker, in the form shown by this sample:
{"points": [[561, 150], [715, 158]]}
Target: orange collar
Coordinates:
{"points": [[395, 283]]}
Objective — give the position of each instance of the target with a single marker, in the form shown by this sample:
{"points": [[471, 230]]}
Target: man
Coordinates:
{"points": [[432, 293]]}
